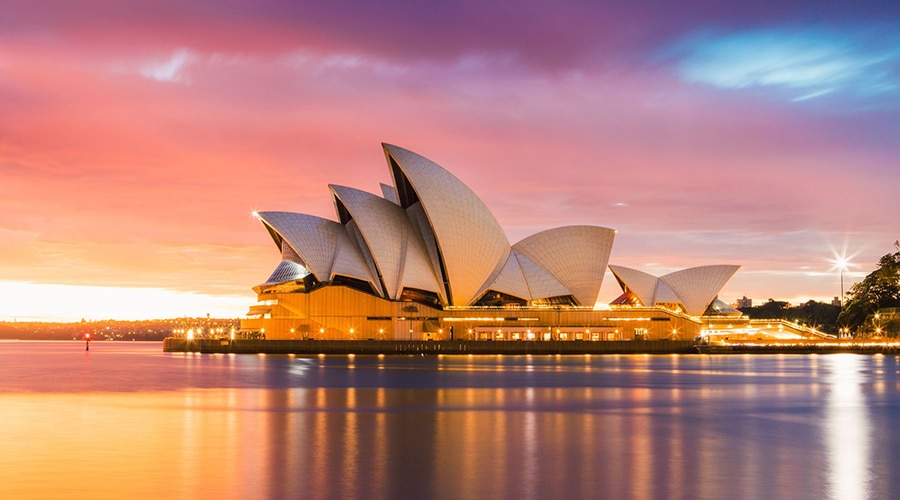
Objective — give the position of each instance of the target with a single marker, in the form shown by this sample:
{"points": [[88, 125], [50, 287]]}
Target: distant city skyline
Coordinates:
{"points": [[136, 139]]}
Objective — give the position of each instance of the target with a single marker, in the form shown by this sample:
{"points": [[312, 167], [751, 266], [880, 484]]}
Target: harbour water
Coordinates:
{"points": [[126, 420]]}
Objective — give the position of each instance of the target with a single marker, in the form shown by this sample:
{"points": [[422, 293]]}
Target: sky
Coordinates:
{"points": [[137, 137]]}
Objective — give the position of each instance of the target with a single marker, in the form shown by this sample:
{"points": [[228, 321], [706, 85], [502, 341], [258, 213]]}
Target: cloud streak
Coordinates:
{"points": [[132, 135], [170, 70], [809, 62]]}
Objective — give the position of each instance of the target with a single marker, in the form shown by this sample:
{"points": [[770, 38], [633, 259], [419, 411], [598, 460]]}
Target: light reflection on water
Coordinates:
{"points": [[847, 427], [127, 420]]}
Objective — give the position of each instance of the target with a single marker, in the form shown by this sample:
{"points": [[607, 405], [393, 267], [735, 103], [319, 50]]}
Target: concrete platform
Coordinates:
{"points": [[313, 347], [810, 348]]}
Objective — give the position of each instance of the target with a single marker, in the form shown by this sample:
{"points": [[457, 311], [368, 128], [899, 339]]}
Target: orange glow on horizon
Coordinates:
{"points": [[66, 303]]}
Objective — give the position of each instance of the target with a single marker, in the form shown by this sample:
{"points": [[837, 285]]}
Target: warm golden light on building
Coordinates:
{"points": [[427, 255]]}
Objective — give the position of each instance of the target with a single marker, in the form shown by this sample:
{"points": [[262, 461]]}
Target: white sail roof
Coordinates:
{"points": [[698, 286], [541, 284], [511, 280], [286, 271], [665, 294], [349, 261], [574, 255], [642, 284], [471, 243], [432, 233], [429, 254], [389, 193], [694, 288], [314, 239], [398, 252], [323, 245]]}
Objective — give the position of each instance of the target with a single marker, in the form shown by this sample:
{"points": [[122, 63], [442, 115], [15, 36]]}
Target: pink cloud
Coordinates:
{"points": [[133, 154]]}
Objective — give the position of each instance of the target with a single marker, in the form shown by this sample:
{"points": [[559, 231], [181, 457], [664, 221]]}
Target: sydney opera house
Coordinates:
{"points": [[426, 259]]}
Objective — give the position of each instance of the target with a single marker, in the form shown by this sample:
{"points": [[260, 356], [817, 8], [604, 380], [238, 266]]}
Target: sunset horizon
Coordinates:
{"points": [[459, 249], [135, 148]]}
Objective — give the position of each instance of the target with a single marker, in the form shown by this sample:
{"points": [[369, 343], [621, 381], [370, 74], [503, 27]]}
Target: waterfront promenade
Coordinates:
{"points": [[313, 347], [241, 346]]}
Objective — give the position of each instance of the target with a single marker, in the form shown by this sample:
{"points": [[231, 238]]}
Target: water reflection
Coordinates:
{"points": [[847, 427], [448, 427]]}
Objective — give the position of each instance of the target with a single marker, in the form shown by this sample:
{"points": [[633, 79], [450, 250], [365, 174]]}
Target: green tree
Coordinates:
{"points": [[820, 315], [773, 309], [880, 288]]}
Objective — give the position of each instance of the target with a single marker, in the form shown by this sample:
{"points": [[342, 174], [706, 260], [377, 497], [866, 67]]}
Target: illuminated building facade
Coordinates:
{"points": [[426, 259]]}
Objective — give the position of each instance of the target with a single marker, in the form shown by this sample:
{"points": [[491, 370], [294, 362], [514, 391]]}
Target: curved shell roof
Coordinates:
{"points": [[322, 245], [698, 286], [398, 252], [574, 255], [286, 271], [511, 280], [390, 194], [383, 230], [541, 284], [432, 233], [642, 284], [349, 261], [665, 294], [313, 238], [718, 307], [471, 243], [695, 288]]}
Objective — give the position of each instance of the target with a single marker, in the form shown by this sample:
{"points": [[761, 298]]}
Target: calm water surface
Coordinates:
{"points": [[126, 420]]}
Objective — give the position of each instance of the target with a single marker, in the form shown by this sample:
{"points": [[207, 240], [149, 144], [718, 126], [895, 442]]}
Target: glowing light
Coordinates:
{"points": [[74, 302], [841, 263], [847, 422]]}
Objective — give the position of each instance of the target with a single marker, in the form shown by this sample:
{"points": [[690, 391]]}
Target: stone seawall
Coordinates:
{"points": [[809, 348], [312, 347]]}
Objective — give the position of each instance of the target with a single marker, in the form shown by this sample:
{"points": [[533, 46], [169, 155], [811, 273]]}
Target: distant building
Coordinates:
{"points": [[743, 303], [836, 301]]}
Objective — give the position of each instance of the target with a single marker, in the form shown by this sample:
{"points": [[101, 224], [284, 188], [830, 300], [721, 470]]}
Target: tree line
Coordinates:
{"points": [[819, 315], [867, 306], [865, 303]]}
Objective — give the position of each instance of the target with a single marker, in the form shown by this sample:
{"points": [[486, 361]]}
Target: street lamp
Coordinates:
{"points": [[841, 263]]}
